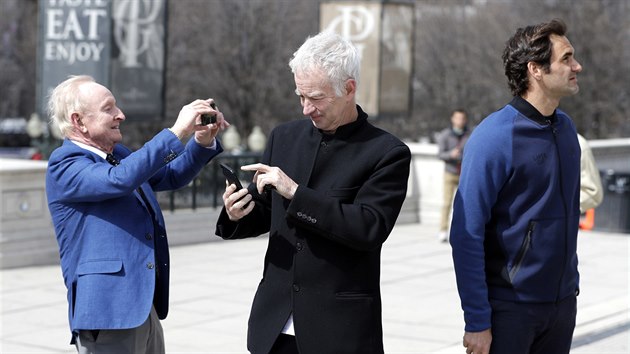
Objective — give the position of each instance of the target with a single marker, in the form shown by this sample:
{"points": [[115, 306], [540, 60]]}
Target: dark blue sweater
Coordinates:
{"points": [[516, 212]]}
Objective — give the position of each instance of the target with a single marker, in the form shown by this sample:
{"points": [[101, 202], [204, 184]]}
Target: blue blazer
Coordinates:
{"points": [[113, 247]]}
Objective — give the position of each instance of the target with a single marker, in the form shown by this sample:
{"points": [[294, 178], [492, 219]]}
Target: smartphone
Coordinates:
{"points": [[231, 177], [208, 118]]}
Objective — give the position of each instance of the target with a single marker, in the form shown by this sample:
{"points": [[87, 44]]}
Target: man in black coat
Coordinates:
{"points": [[328, 191]]}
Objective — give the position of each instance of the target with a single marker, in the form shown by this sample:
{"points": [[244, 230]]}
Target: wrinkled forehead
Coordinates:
{"points": [[311, 74], [312, 80]]}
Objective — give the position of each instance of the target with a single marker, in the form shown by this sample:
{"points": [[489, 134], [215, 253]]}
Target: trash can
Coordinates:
{"points": [[613, 214]]}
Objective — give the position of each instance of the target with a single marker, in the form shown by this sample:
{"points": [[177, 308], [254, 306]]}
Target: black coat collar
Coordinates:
{"points": [[347, 130], [531, 112]]}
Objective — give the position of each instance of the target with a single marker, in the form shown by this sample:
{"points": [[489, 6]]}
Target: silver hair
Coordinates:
{"points": [[333, 54], [66, 99]]}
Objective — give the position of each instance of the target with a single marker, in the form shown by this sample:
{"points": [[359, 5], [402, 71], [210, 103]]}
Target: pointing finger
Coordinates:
{"points": [[255, 167]]}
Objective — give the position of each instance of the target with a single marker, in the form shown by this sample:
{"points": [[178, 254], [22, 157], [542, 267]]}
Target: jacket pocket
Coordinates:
{"points": [[92, 277], [352, 295], [357, 324], [109, 266], [522, 252]]}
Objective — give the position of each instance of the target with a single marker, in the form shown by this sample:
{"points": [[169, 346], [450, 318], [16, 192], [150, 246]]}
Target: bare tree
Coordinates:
{"points": [[457, 62], [18, 27], [600, 33], [458, 59], [237, 52]]}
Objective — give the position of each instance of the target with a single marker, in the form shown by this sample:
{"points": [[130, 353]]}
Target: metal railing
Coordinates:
{"points": [[206, 189]]}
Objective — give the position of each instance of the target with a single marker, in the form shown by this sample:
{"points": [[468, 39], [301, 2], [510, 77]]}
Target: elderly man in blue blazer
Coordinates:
{"points": [[110, 230]]}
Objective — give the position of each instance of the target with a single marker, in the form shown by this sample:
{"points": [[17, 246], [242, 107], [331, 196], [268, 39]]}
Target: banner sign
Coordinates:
{"points": [[137, 66], [120, 43], [396, 59], [74, 39], [360, 23], [382, 32]]}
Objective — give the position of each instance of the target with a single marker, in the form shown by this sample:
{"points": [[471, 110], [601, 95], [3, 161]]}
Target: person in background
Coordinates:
{"points": [[328, 191], [450, 148], [516, 211], [591, 191], [110, 230]]}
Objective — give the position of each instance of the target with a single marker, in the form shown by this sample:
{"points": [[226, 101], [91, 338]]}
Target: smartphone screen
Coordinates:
{"points": [[230, 176]]}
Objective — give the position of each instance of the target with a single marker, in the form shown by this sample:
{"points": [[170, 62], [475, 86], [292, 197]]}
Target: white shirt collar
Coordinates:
{"points": [[91, 148]]}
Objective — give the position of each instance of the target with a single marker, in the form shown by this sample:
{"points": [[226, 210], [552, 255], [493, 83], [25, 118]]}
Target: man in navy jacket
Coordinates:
{"points": [[338, 186], [110, 230], [516, 213]]}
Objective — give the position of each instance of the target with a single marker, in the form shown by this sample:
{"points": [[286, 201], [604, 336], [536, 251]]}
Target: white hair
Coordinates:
{"points": [[333, 54], [64, 100]]}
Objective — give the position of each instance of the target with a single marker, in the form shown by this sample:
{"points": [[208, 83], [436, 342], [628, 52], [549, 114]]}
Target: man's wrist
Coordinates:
{"points": [[175, 133], [212, 145]]}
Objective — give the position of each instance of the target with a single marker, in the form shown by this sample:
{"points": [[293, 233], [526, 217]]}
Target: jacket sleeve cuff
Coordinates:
{"points": [[478, 322], [202, 153]]}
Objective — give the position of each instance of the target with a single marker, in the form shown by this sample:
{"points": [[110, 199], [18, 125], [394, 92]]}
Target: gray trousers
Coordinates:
{"points": [[146, 339]]}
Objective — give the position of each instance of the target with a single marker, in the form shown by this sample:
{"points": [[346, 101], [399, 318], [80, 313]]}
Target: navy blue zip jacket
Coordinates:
{"points": [[516, 212]]}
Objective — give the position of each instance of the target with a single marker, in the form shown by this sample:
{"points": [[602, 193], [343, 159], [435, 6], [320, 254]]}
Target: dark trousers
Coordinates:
{"points": [[285, 344], [519, 328]]}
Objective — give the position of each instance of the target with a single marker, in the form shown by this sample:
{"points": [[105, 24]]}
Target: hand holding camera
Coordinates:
{"points": [[209, 118]]}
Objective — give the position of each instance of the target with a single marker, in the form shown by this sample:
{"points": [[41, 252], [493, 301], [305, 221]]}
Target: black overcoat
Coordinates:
{"points": [[323, 259]]}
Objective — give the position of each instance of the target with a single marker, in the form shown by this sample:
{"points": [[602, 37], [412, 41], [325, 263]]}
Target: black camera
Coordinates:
{"points": [[208, 118]]}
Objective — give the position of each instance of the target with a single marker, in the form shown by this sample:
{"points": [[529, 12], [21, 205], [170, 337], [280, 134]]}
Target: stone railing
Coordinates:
{"points": [[27, 237], [612, 154], [26, 233]]}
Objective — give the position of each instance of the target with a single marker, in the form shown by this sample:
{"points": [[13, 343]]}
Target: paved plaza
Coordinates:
{"points": [[213, 283]]}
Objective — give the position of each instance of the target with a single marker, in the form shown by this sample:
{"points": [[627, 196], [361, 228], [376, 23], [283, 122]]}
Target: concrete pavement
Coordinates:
{"points": [[213, 284]]}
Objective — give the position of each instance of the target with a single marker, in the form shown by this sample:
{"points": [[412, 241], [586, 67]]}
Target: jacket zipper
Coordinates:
{"points": [[520, 256], [564, 205]]}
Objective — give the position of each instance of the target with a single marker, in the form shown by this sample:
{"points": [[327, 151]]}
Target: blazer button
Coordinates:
{"points": [[299, 246], [314, 221], [150, 265], [170, 157], [148, 236], [296, 288]]}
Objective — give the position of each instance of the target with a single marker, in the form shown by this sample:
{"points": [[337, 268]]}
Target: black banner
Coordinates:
{"points": [[137, 67], [121, 43], [74, 39]]}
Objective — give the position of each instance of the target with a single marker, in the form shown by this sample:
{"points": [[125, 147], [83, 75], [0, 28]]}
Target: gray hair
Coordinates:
{"points": [[66, 99], [333, 54]]}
